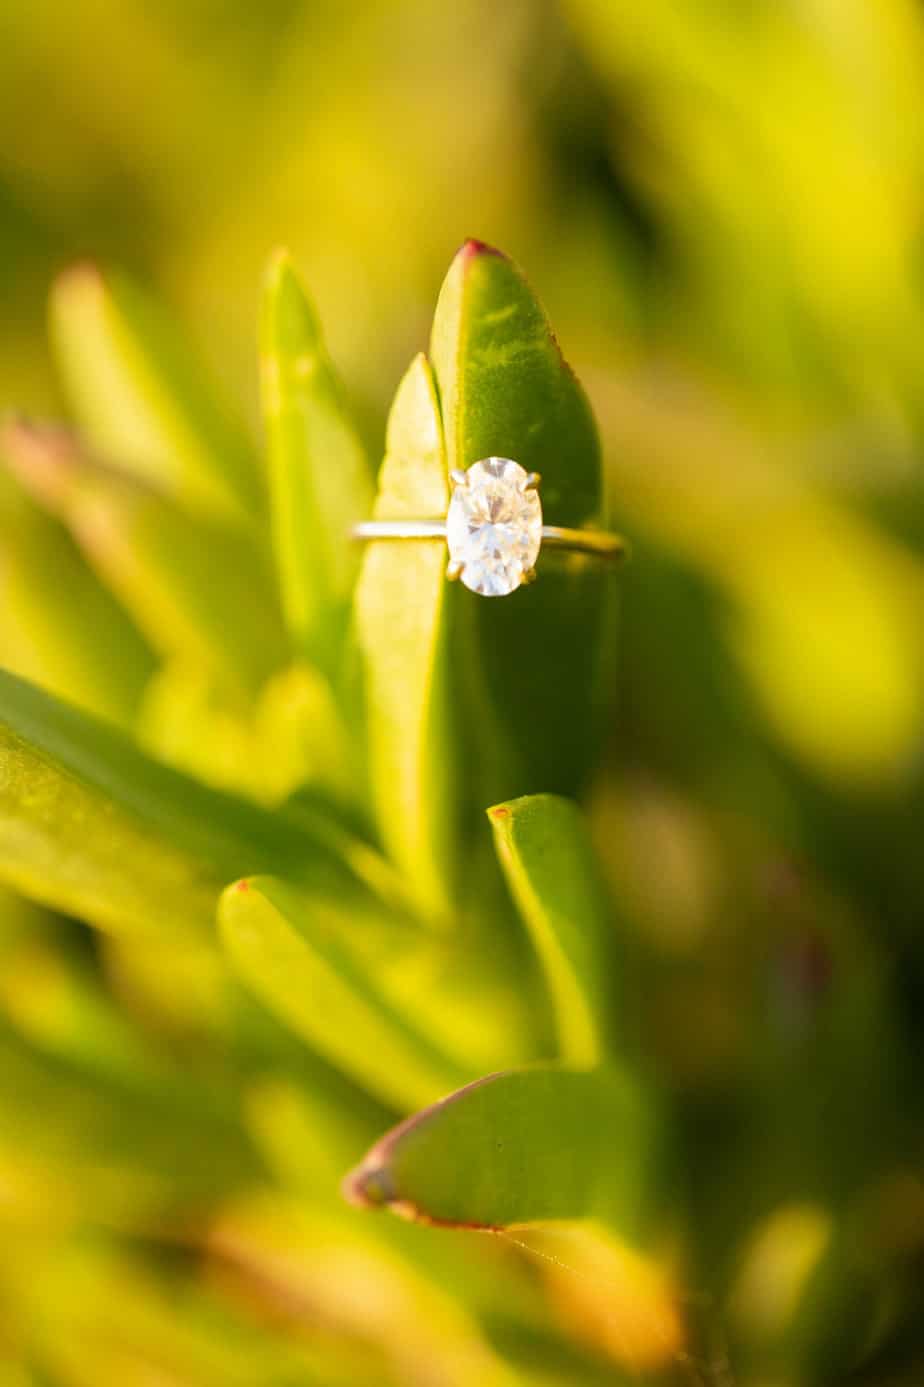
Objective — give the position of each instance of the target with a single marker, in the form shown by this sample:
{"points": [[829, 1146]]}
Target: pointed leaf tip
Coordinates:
{"points": [[473, 247]]}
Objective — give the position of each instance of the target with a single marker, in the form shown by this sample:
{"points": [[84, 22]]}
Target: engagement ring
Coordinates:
{"points": [[494, 529]]}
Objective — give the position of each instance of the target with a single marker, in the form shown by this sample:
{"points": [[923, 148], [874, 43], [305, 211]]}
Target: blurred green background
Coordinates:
{"points": [[721, 204]]}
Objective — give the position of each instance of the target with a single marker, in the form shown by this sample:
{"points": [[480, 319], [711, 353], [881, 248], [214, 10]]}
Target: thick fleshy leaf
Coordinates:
{"points": [[311, 958], [320, 481], [141, 400], [58, 624], [198, 588], [91, 825], [521, 1147], [399, 607], [534, 661], [545, 852]]}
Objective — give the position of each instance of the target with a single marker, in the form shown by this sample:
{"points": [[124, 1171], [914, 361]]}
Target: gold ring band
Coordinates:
{"points": [[598, 543]]}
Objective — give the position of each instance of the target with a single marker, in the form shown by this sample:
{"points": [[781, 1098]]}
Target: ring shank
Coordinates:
{"points": [[598, 543]]}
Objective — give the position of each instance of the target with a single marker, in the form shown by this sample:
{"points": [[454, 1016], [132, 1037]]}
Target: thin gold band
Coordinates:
{"points": [[598, 543]]}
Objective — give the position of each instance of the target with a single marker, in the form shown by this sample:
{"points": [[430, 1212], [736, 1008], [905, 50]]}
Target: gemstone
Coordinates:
{"points": [[494, 527]]}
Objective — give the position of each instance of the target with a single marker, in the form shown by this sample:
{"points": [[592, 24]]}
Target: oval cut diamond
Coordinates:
{"points": [[494, 527]]}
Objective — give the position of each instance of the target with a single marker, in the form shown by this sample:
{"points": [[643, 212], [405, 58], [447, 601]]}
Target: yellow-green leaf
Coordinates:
{"points": [[141, 399], [92, 826], [305, 955], [544, 849], [320, 482], [521, 1147], [399, 620]]}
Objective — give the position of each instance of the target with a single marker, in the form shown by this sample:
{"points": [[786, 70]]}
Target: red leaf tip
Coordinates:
{"points": [[472, 248]]}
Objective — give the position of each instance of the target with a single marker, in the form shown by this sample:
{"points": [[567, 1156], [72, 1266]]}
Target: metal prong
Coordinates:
{"points": [[529, 576], [532, 481], [459, 477], [454, 569]]}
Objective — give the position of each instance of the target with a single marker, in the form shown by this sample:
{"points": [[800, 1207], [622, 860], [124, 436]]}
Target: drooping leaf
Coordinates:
{"points": [[91, 825], [58, 624], [307, 956], [534, 661], [399, 616], [200, 589], [521, 1147], [545, 852], [320, 482], [142, 401]]}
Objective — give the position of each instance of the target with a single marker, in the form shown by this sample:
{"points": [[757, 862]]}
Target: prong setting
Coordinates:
{"points": [[494, 526], [454, 570], [458, 477], [529, 576]]}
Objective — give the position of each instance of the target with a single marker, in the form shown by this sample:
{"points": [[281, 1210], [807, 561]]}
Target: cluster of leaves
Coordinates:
{"points": [[245, 719]]}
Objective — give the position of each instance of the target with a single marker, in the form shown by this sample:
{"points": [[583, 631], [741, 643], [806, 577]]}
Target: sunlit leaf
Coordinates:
{"points": [[320, 482], [91, 825], [544, 849], [58, 625], [306, 955], [399, 616], [142, 401], [534, 661], [197, 587], [521, 1147]]}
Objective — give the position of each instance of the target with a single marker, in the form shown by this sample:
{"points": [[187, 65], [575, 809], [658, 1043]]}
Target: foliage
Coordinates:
{"points": [[632, 1058]]}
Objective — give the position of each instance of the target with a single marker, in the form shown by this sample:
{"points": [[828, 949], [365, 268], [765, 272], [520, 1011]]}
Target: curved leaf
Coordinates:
{"points": [[551, 869], [320, 481], [521, 1147], [399, 618]]}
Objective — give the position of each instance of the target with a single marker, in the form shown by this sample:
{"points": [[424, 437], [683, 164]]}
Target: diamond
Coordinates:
{"points": [[494, 527]]}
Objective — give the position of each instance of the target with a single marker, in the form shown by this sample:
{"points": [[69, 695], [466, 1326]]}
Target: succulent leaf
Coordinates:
{"points": [[320, 480], [91, 825], [300, 953], [535, 663], [544, 849], [519, 1147], [399, 618], [142, 401]]}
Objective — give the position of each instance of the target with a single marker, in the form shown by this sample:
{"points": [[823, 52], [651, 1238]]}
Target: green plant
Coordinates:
{"points": [[245, 714]]}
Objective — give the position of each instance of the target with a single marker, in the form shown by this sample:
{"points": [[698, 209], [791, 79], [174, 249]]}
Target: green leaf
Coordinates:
{"points": [[320, 482], [399, 608], [58, 624], [536, 661], [545, 851], [521, 1147], [142, 401], [197, 587], [141, 1150], [292, 737], [92, 826], [311, 958]]}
